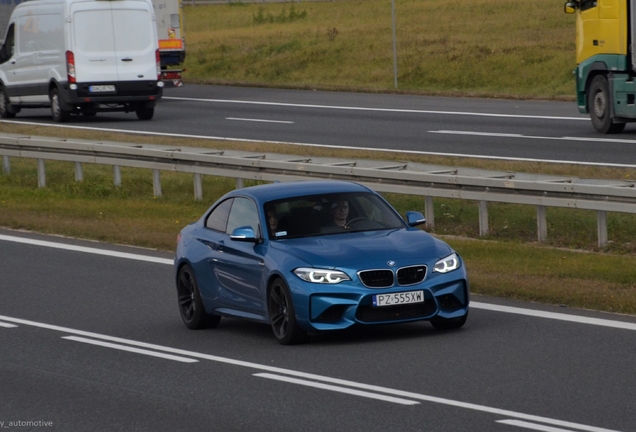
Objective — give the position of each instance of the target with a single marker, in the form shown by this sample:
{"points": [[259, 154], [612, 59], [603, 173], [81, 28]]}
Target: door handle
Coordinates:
{"points": [[126, 59]]}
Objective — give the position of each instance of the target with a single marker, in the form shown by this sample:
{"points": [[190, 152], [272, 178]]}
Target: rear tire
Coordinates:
{"points": [[600, 107], [59, 114], [190, 303], [5, 105], [145, 113]]}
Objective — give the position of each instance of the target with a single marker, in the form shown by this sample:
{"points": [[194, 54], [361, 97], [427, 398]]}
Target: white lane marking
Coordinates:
{"points": [[390, 110], [337, 389], [477, 305], [532, 426], [85, 249], [507, 135], [131, 349], [7, 325], [258, 120], [555, 315], [353, 384], [338, 147]]}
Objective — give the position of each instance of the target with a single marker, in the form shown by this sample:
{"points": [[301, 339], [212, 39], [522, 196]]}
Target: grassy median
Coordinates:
{"points": [[568, 269]]}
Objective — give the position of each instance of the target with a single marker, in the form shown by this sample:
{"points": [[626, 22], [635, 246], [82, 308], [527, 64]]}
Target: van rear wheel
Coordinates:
{"points": [[145, 113], [5, 111], [59, 114]]}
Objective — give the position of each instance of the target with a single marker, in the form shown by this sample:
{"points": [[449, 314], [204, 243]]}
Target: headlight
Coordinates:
{"points": [[321, 276], [447, 264]]}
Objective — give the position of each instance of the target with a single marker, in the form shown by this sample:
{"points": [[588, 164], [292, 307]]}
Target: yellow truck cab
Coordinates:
{"points": [[606, 66]]}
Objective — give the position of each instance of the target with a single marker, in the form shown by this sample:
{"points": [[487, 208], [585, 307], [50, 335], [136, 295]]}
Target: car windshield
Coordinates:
{"points": [[329, 214]]}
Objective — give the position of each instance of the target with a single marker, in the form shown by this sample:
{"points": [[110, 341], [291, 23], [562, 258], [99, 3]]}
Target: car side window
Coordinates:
{"points": [[243, 213], [217, 220]]}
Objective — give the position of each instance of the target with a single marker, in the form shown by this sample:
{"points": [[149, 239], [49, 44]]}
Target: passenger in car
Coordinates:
{"points": [[272, 219]]}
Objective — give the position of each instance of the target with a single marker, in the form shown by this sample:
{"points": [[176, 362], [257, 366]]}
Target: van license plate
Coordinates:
{"points": [[398, 298], [101, 88]]}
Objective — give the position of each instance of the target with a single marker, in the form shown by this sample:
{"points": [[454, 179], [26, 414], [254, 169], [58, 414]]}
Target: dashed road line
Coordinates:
{"points": [[131, 349]]}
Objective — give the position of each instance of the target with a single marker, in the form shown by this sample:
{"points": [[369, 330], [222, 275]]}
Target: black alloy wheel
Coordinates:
{"points": [[190, 303], [282, 315]]}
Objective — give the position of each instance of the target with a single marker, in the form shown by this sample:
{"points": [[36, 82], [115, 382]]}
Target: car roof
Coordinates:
{"points": [[280, 190]]}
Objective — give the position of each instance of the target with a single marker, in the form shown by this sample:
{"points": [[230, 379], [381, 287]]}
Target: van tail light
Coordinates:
{"points": [[70, 67], [158, 59]]}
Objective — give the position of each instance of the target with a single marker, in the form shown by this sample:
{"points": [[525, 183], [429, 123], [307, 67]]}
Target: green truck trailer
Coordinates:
{"points": [[606, 61]]}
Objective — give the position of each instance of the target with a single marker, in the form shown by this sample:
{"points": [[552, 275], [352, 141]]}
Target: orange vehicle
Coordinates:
{"points": [[171, 40]]}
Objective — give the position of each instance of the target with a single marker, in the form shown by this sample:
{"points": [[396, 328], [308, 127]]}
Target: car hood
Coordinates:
{"points": [[370, 249]]}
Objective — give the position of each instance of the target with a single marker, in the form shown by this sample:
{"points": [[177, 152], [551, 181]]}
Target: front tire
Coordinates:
{"points": [[190, 304], [449, 323], [5, 110], [59, 114], [600, 107], [282, 315]]}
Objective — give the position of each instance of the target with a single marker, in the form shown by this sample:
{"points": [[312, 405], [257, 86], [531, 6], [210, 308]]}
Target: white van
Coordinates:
{"points": [[81, 57]]}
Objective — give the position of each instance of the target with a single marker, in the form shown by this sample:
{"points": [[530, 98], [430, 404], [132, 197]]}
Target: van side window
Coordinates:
{"points": [[9, 44]]}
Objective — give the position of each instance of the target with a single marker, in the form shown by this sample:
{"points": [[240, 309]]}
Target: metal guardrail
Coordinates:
{"points": [[429, 181]]}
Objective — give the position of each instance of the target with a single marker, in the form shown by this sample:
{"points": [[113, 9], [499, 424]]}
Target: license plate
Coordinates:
{"points": [[101, 88], [398, 298]]}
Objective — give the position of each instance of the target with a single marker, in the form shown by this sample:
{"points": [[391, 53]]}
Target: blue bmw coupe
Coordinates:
{"points": [[315, 256]]}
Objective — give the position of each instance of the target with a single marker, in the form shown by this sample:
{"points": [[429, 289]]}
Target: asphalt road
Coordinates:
{"points": [[509, 129], [91, 340]]}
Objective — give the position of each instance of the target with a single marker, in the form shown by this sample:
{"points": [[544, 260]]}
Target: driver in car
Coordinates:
{"points": [[340, 212]]}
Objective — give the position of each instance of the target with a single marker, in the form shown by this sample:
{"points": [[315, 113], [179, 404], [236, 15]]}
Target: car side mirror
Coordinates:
{"points": [[244, 234], [414, 218], [570, 7]]}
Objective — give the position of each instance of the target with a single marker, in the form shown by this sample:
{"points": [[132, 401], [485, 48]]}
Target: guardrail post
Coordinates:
{"points": [[239, 183], [483, 218], [6, 165], [41, 174], [79, 173], [117, 175], [601, 223], [542, 224], [429, 212], [156, 182], [198, 187]]}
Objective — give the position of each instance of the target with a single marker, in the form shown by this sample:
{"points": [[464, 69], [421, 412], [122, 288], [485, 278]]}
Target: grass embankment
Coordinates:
{"points": [[494, 48], [508, 263]]}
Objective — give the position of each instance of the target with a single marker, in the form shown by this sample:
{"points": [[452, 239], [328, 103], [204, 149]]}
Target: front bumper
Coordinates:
{"points": [[334, 307]]}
